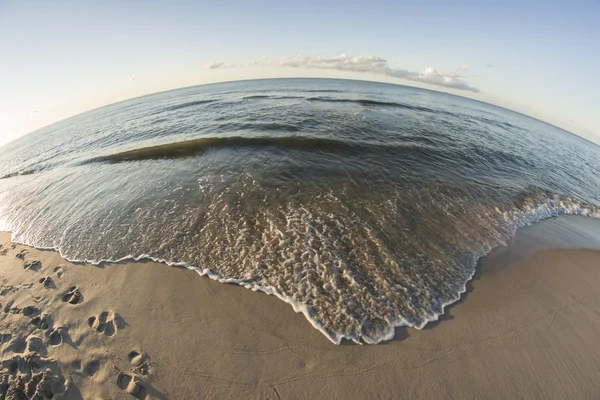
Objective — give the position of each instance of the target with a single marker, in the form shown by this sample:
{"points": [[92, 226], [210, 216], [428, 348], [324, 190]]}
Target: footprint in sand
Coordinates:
{"points": [[30, 311], [41, 321], [132, 385], [6, 289], [135, 358], [91, 367], [59, 271], [14, 365], [33, 265], [8, 306], [21, 254], [106, 323], [5, 338], [36, 345], [16, 345], [139, 362], [3, 250], [47, 282], [72, 296], [9, 309], [55, 337]]}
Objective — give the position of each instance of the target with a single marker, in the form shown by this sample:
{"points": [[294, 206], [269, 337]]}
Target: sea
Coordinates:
{"points": [[366, 206]]}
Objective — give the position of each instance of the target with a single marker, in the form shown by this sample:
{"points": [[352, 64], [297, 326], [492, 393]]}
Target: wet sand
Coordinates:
{"points": [[527, 327]]}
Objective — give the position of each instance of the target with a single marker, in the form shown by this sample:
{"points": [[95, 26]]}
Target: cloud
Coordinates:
{"points": [[435, 77], [215, 65], [370, 64]]}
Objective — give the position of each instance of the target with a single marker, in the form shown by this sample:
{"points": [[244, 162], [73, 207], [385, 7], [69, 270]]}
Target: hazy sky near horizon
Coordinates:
{"points": [[60, 58]]}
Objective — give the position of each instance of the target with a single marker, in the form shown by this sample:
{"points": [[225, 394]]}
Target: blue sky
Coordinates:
{"points": [[59, 58]]}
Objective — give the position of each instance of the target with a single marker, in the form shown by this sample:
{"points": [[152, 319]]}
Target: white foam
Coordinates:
{"points": [[529, 215]]}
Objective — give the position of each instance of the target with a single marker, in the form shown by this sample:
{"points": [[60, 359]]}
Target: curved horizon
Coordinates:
{"points": [[299, 78]]}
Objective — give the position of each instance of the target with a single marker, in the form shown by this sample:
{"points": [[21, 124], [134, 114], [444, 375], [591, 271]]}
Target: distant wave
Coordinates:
{"points": [[275, 97], [377, 103], [501, 124], [29, 170], [363, 102], [322, 91], [257, 96], [19, 173], [371, 103], [259, 127], [189, 104]]}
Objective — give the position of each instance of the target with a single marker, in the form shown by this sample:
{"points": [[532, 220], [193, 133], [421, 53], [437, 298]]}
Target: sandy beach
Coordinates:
{"points": [[526, 328]]}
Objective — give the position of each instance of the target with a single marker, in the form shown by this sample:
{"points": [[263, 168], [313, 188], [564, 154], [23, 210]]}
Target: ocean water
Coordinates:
{"points": [[364, 205]]}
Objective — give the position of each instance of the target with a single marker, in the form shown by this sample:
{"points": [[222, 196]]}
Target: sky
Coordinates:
{"points": [[61, 58]]}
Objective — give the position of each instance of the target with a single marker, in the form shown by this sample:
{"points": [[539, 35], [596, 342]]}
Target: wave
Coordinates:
{"points": [[29, 171], [195, 147], [500, 124], [261, 127], [267, 96], [257, 96], [189, 104], [19, 173], [322, 91], [410, 150], [372, 103], [158, 121]]}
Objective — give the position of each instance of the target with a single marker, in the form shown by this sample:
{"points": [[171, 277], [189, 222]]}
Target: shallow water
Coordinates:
{"points": [[364, 205]]}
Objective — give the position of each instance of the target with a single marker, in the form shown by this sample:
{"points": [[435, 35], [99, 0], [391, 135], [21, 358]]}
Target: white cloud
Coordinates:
{"points": [[371, 64], [435, 77]]}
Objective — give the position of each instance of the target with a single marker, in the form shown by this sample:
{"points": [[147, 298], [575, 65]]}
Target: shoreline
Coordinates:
{"points": [[200, 338], [540, 215]]}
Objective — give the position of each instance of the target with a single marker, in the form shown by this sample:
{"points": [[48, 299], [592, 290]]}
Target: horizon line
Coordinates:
{"points": [[298, 78]]}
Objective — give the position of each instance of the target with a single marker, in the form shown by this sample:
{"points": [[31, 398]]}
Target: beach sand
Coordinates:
{"points": [[527, 327]]}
